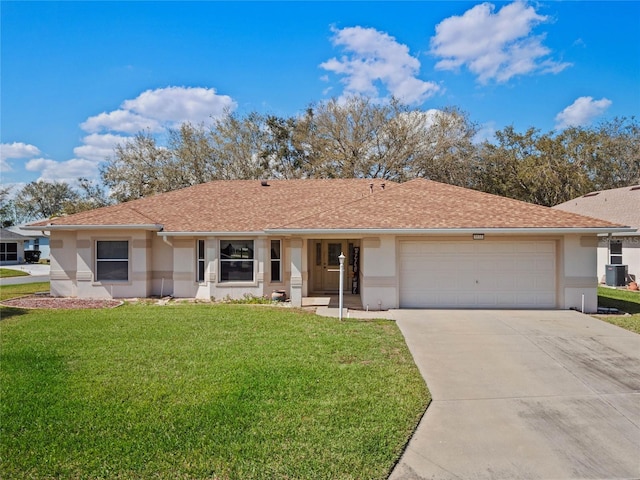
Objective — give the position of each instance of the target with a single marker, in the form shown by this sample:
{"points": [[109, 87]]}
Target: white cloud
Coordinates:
{"points": [[98, 146], [15, 150], [374, 57], [581, 112], [67, 171], [176, 105], [120, 121], [18, 150], [155, 110], [494, 46]]}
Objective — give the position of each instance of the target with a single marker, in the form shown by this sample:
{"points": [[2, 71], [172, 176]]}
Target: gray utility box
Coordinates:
{"points": [[616, 275]]}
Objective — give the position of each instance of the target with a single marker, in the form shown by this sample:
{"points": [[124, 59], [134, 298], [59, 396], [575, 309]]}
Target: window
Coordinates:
{"points": [[201, 265], [615, 253], [112, 261], [8, 252], [276, 261], [236, 260]]}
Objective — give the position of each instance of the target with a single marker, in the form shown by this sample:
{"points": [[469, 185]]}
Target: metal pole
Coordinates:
{"points": [[341, 294]]}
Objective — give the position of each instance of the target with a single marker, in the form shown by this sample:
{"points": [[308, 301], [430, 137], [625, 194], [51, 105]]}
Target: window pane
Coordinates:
{"points": [[118, 250], [275, 270], [616, 259], [201, 271], [112, 271], [12, 247], [236, 249], [3, 247], [275, 249], [201, 249], [616, 248], [241, 271], [334, 250]]}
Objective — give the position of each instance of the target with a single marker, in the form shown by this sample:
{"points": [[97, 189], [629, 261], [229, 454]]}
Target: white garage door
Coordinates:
{"points": [[477, 274]]}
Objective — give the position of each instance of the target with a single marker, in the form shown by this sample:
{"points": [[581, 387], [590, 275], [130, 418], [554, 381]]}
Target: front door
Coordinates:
{"points": [[331, 250]]}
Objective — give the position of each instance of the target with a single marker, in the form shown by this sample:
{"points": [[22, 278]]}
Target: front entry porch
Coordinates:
{"points": [[324, 267], [350, 301]]}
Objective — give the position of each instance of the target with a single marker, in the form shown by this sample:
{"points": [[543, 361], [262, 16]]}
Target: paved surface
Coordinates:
{"points": [[37, 273], [523, 395]]}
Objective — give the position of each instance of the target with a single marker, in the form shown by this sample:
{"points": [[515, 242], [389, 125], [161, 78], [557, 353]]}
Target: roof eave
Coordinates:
{"points": [[50, 227], [253, 233], [452, 231]]}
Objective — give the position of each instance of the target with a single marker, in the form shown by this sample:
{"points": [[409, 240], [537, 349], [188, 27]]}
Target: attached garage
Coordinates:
{"points": [[477, 274]]}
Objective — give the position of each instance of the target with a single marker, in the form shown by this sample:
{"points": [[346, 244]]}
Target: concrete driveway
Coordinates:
{"points": [[523, 395], [38, 272]]}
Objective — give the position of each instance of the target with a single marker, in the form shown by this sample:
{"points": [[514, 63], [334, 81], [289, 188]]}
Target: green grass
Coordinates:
{"points": [[10, 272], [203, 391], [624, 300], [11, 291]]}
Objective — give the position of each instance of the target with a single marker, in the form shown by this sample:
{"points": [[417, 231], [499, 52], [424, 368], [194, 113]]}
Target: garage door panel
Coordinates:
{"points": [[477, 274]]}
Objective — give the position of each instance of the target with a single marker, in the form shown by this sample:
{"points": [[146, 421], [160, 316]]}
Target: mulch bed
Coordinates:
{"points": [[45, 301]]}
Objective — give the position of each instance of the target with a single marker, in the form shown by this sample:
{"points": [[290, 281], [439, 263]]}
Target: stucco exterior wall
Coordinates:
{"points": [[630, 255], [579, 263], [73, 264], [63, 264], [379, 270]]}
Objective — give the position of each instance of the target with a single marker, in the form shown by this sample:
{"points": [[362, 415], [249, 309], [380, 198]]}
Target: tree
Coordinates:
{"points": [[7, 208], [615, 161], [357, 138], [139, 168], [89, 196], [447, 152], [239, 144], [555, 167], [194, 157], [42, 199]]}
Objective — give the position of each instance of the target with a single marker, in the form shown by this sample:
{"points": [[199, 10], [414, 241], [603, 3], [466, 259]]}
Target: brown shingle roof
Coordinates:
{"points": [[424, 204], [229, 205], [619, 205], [247, 206]]}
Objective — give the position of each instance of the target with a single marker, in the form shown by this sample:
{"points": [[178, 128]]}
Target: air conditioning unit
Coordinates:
{"points": [[616, 275]]}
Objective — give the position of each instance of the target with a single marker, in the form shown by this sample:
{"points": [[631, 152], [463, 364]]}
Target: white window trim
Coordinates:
{"points": [[203, 260], [254, 262], [615, 255], [280, 261], [96, 260]]}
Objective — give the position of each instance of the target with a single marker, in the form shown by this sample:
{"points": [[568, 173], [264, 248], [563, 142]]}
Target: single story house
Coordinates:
{"points": [[12, 247], [414, 244], [35, 240], [618, 249]]}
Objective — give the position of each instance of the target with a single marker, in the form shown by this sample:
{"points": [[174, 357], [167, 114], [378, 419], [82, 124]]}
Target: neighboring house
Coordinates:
{"points": [[618, 205], [415, 244], [37, 240], [12, 246]]}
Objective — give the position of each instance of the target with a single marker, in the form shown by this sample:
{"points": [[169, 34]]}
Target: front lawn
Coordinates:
{"points": [[10, 272], [203, 391], [624, 300], [12, 291]]}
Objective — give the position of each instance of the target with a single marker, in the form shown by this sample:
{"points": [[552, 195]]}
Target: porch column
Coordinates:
{"points": [[296, 272]]}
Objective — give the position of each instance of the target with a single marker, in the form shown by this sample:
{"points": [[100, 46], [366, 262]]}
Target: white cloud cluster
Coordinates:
{"points": [[153, 110], [374, 57], [15, 150], [158, 109], [494, 46], [581, 112]]}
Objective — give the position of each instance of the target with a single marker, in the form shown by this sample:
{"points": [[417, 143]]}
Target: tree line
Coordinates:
{"points": [[356, 138]]}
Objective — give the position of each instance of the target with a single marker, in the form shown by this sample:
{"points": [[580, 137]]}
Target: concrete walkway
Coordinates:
{"points": [[523, 395]]}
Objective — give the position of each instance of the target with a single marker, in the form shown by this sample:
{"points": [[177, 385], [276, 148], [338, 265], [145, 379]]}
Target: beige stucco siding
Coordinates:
{"points": [[577, 278]]}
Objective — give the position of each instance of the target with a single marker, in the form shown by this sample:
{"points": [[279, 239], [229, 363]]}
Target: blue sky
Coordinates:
{"points": [[79, 77]]}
